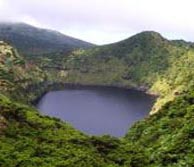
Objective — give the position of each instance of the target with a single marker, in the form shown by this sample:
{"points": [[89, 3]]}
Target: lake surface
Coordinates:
{"points": [[97, 110]]}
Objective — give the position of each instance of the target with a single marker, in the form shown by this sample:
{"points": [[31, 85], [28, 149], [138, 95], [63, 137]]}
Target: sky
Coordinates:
{"points": [[104, 21]]}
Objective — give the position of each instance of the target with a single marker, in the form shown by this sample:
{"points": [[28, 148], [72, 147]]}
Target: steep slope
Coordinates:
{"points": [[143, 56], [166, 138], [30, 40], [16, 75]]}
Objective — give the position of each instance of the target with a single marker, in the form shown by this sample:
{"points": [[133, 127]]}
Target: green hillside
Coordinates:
{"points": [[32, 41], [145, 61]]}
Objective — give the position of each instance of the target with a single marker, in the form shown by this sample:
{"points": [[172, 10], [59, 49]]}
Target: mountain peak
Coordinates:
{"points": [[149, 35], [153, 33], [30, 40]]}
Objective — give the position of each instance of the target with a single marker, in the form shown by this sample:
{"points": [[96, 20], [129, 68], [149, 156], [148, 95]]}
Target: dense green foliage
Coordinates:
{"points": [[16, 75], [30, 140], [147, 60], [167, 137]]}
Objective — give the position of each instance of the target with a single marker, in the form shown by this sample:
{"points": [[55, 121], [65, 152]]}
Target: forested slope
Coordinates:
{"points": [[28, 139]]}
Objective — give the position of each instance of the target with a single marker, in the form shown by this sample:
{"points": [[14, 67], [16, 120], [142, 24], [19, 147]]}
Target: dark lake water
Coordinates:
{"points": [[97, 110]]}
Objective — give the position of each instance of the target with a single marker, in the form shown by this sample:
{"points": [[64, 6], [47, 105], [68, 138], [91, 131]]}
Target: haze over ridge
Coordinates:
{"points": [[103, 22]]}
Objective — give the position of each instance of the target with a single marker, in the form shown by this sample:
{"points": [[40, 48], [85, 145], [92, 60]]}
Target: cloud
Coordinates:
{"points": [[101, 21]]}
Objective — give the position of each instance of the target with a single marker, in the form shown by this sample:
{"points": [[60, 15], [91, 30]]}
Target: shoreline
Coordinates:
{"points": [[61, 86]]}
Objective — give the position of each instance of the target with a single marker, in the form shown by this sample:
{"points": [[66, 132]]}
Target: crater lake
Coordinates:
{"points": [[97, 110]]}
